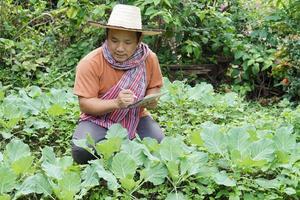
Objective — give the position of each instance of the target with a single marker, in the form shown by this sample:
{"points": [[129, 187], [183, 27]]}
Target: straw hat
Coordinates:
{"points": [[126, 17]]}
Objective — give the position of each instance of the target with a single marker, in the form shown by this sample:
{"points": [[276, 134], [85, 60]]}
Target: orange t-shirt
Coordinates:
{"points": [[95, 76]]}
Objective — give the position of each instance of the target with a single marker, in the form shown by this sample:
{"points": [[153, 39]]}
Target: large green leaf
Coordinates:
{"points": [[90, 176], [290, 191], [56, 110], [108, 147], [267, 184], [123, 165], [18, 155], [102, 173], [16, 150], [257, 154], [5, 197], [173, 168], [283, 157], [27, 105], [7, 179], [49, 163], [203, 93], [262, 150], [37, 183], [61, 97], [136, 150], [83, 143], [52, 170], [54, 167], [222, 178], [151, 144], [128, 183], [193, 162], [214, 139], [248, 162], [11, 111], [48, 155], [33, 124], [116, 130], [90, 140], [150, 157], [229, 99], [176, 196], [35, 91], [67, 186], [285, 144], [171, 149], [196, 139], [22, 165], [238, 139], [284, 140], [155, 174]]}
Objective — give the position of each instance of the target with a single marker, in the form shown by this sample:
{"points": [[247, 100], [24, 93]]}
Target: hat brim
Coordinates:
{"points": [[143, 31]]}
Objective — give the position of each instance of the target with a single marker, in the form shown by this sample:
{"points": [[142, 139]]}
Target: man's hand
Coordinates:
{"points": [[125, 98]]}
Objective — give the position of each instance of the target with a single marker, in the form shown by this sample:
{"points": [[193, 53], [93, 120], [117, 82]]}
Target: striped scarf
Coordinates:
{"points": [[134, 79]]}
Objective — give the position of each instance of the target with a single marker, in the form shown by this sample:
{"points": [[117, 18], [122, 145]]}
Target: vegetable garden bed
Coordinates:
{"points": [[217, 146]]}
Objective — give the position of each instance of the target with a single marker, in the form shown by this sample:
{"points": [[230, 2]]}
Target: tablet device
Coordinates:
{"points": [[146, 99]]}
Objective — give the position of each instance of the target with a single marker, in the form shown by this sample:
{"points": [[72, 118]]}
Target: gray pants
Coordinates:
{"points": [[147, 127]]}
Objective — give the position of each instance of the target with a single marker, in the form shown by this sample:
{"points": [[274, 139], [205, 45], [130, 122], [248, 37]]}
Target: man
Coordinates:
{"points": [[112, 77]]}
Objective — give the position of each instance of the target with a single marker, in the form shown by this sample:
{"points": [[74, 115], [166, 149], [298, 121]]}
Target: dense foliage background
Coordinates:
{"points": [[41, 41], [256, 46]]}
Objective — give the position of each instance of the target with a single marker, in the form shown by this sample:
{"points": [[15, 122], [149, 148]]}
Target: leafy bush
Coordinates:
{"points": [[38, 43], [264, 53], [42, 41]]}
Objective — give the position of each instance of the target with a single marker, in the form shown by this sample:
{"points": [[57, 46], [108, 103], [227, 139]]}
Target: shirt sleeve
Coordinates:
{"points": [[87, 80], [156, 78]]}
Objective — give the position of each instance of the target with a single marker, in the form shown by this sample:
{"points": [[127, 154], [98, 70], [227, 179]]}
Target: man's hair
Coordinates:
{"points": [[138, 35]]}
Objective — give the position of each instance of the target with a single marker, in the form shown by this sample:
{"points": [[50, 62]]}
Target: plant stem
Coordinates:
{"points": [[64, 74], [137, 187], [26, 25]]}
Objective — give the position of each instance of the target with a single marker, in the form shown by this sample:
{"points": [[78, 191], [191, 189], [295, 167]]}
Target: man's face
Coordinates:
{"points": [[121, 44]]}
